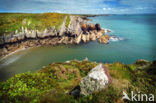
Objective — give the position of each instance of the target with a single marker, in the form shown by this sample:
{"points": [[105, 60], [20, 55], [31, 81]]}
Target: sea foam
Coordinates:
{"points": [[114, 38]]}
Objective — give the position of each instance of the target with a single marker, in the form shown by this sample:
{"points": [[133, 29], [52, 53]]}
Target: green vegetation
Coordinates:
{"points": [[55, 80], [67, 21], [53, 83], [12, 22]]}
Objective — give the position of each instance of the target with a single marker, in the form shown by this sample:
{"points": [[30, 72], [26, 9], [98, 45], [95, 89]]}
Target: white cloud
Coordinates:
{"points": [[104, 9], [140, 8], [79, 6], [109, 8]]}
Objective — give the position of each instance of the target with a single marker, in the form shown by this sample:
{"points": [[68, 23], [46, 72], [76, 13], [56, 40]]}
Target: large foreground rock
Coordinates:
{"points": [[96, 80]]}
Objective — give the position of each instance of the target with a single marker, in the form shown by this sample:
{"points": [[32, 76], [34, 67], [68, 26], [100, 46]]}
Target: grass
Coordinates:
{"points": [[10, 22], [52, 83], [120, 71], [67, 21]]}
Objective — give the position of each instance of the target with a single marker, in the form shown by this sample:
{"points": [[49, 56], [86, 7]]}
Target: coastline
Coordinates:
{"points": [[78, 51], [79, 30], [20, 49], [65, 78], [9, 48]]}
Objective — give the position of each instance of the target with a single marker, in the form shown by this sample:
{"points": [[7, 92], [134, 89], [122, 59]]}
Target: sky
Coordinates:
{"points": [[79, 6]]}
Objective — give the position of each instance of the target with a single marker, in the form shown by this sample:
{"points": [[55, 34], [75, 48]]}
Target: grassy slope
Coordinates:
{"points": [[12, 22], [53, 83]]}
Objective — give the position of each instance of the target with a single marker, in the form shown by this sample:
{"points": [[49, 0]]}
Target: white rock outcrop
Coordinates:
{"points": [[96, 80], [78, 39]]}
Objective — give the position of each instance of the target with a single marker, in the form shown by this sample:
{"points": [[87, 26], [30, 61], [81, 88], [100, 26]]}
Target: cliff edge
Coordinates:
{"points": [[72, 30]]}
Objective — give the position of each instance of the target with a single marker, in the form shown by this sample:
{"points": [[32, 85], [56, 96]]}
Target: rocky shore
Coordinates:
{"points": [[77, 31]]}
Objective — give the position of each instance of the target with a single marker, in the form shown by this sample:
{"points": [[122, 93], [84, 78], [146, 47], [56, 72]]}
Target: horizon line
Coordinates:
{"points": [[73, 13]]}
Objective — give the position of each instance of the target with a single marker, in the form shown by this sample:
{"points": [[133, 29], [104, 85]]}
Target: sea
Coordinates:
{"points": [[133, 37]]}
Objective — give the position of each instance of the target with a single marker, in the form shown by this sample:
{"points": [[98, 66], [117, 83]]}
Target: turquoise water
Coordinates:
{"points": [[138, 33]]}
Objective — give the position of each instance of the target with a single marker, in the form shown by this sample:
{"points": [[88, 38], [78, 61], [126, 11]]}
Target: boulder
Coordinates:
{"points": [[84, 38], [91, 27], [96, 80], [84, 28], [92, 36], [102, 31], [65, 40], [78, 39], [98, 27], [104, 39], [107, 37], [13, 39], [99, 34]]}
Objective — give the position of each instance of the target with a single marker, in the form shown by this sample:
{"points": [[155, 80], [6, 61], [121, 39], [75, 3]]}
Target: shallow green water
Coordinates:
{"points": [[137, 33]]}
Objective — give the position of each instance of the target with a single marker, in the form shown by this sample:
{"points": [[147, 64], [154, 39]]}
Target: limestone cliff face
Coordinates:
{"points": [[76, 32], [74, 28], [63, 27], [77, 27]]}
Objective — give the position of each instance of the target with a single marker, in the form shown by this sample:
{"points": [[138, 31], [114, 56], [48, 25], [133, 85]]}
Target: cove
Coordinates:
{"points": [[136, 34]]}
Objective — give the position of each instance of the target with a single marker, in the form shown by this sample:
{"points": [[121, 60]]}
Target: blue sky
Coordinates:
{"points": [[79, 6]]}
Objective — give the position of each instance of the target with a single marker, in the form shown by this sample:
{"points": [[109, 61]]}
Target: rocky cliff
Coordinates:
{"points": [[76, 32]]}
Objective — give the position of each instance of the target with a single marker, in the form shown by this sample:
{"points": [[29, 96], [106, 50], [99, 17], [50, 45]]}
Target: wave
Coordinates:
{"points": [[12, 53], [114, 38], [10, 60], [107, 30]]}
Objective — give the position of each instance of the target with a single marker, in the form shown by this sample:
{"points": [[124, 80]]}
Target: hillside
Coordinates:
{"points": [[14, 22], [53, 83]]}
